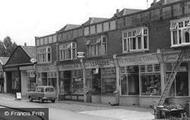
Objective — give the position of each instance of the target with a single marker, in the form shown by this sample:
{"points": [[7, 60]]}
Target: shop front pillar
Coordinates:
{"points": [[57, 81], [163, 72], [5, 82]]}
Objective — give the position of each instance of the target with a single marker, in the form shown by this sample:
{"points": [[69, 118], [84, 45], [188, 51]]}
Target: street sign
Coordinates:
{"points": [[33, 60], [80, 54]]}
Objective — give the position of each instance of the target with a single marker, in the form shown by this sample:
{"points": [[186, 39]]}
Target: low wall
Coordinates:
{"points": [[129, 100], [147, 101]]}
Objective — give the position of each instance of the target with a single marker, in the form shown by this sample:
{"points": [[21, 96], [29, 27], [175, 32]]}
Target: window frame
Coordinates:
{"points": [[95, 49], [133, 35], [43, 54], [181, 27], [64, 50]]}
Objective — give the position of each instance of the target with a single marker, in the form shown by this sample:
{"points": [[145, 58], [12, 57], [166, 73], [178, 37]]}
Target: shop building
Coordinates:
{"points": [[130, 54], [46, 69], [69, 67], [20, 70], [3, 61]]}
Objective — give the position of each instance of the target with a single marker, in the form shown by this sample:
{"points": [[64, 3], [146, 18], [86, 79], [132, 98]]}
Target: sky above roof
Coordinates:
{"points": [[22, 20]]}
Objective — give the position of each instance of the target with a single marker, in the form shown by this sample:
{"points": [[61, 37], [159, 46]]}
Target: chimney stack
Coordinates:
{"points": [[117, 13], [25, 44]]}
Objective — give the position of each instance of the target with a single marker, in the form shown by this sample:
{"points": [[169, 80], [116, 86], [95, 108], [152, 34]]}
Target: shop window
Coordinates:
{"points": [[108, 77], [77, 82], [32, 80], [180, 86], [135, 40], [180, 32], [150, 79], [68, 51], [52, 79], [129, 80], [44, 54]]}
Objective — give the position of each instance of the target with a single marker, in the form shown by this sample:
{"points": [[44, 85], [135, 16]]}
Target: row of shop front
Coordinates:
{"points": [[139, 79]]}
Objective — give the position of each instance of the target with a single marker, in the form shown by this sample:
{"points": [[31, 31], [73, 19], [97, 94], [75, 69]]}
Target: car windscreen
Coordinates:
{"points": [[49, 90]]}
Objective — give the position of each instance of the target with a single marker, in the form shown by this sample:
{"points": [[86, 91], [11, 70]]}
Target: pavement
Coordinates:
{"points": [[83, 110]]}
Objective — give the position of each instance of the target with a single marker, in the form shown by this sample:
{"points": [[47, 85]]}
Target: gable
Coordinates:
{"points": [[19, 56]]}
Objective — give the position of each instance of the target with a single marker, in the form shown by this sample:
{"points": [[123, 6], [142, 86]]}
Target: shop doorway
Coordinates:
{"points": [[182, 84], [67, 81], [96, 81]]}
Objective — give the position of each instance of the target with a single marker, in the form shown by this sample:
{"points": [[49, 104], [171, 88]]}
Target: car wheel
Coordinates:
{"points": [[53, 100], [30, 99]]}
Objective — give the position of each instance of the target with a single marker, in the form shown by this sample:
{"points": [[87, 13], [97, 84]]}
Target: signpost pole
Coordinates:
{"points": [[81, 56]]}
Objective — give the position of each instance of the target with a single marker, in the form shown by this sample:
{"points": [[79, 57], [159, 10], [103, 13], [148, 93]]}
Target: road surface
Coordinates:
{"points": [[66, 110]]}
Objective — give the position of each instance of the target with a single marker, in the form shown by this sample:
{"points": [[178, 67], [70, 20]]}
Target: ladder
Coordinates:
{"points": [[171, 77]]}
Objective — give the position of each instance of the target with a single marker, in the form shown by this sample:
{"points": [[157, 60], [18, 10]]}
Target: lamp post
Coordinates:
{"points": [[81, 56]]}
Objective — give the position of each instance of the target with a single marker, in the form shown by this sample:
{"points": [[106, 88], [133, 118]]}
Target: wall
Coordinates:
{"points": [[129, 100], [159, 35], [24, 83], [114, 42]]}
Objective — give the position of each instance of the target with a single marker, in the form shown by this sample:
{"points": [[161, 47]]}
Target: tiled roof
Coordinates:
{"points": [[3, 60], [30, 50], [69, 27], [92, 20]]}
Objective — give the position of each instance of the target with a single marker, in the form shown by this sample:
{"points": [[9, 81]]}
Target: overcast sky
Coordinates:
{"points": [[22, 20]]}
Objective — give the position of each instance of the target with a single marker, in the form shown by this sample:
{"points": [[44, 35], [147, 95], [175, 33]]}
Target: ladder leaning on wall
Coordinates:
{"points": [[172, 76]]}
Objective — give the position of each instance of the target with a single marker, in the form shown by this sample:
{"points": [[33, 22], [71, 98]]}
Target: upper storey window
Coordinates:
{"points": [[135, 39], [180, 32], [44, 54], [68, 51], [97, 46]]}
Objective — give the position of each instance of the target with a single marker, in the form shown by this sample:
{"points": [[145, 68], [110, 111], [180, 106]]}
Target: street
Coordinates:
{"points": [[68, 110]]}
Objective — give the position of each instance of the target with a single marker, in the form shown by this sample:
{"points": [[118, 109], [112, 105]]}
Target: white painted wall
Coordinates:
{"points": [[24, 83]]}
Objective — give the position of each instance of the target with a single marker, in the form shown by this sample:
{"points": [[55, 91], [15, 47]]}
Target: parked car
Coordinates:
{"points": [[43, 93]]}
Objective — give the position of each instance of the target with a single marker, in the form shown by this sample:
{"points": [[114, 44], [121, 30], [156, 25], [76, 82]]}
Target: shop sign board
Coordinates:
{"points": [[69, 66], [138, 60], [99, 63], [172, 57], [26, 68], [46, 68]]}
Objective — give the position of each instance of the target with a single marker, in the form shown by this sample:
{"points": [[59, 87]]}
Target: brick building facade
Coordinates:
{"points": [[131, 53]]}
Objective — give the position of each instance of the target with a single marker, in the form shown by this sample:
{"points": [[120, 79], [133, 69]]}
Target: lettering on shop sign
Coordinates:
{"points": [[173, 57], [46, 68], [99, 63], [170, 58], [138, 60], [70, 66]]}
